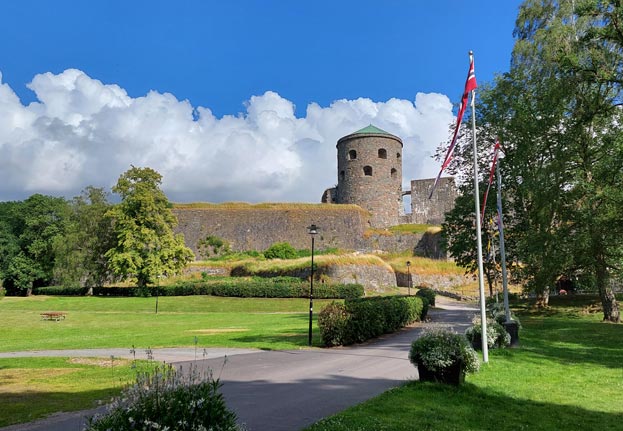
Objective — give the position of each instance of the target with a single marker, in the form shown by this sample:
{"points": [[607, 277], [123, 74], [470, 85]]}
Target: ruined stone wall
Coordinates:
{"points": [[370, 175], [257, 227], [432, 211]]}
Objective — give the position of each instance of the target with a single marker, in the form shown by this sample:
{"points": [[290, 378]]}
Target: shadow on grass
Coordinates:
{"points": [[428, 406], [27, 406], [573, 340]]}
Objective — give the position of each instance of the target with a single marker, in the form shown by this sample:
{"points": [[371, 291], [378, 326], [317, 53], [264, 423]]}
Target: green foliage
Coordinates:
{"points": [[497, 312], [143, 222], [28, 231], [497, 337], [557, 114], [279, 287], [361, 319], [2, 292], [333, 322], [61, 290], [440, 349], [169, 399], [212, 245], [281, 250], [428, 293], [80, 254]]}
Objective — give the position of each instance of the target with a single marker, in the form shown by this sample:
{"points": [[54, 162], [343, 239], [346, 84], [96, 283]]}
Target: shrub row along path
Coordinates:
{"points": [[289, 390]]}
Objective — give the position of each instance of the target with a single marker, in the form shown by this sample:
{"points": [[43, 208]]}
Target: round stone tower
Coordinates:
{"points": [[369, 166]]}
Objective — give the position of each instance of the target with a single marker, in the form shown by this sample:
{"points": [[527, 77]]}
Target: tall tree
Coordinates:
{"points": [[556, 111], [36, 222], [80, 255], [146, 246]]}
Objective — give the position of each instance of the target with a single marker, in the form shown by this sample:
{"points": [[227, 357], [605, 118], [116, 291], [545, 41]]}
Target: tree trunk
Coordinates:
{"points": [[608, 300], [542, 298]]}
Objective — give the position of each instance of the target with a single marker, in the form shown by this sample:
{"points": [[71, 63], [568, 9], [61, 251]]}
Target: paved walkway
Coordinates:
{"points": [[289, 390]]}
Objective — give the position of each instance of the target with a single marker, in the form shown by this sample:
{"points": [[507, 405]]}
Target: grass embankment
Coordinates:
{"points": [[31, 388], [567, 374], [254, 266]]}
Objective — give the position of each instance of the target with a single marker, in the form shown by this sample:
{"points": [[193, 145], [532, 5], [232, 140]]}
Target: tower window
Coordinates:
{"points": [[342, 175], [352, 155], [394, 173], [367, 171], [397, 155], [382, 153]]}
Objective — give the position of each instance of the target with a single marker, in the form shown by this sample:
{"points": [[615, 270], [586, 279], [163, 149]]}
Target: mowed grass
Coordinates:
{"points": [[97, 322], [567, 374], [31, 388]]}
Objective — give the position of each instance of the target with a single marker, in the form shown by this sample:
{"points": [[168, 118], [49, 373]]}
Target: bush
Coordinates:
{"points": [[333, 320], [277, 287], [497, 337], [361, 319], [212, 245], [441, 349], [496, 310], [2, 292], [61, 291], [168, 399], [281, 250], [427, 293]]}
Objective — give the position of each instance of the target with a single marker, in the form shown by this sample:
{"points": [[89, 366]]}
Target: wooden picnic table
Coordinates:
{"points": [[53, 315]]}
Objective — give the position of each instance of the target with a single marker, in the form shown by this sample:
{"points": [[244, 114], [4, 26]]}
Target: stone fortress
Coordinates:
{"points": [[353, 215], [369, 164]]}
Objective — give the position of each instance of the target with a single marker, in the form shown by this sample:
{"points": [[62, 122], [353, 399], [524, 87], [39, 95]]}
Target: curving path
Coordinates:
{"points": [[289, 390]]}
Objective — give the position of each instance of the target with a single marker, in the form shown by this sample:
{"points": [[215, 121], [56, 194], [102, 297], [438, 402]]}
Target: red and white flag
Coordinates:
{"points": [[470, 85], [496, 150]]}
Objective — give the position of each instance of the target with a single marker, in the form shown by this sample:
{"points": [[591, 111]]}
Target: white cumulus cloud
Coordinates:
{"points": [[83, 132]]}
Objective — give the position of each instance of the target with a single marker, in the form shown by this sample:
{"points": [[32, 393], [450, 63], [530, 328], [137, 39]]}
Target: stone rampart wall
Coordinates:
{"points": [[257, 227]]}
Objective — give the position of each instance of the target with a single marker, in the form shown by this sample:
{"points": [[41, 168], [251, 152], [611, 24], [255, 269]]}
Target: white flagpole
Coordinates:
{"points": [[481, 282]]}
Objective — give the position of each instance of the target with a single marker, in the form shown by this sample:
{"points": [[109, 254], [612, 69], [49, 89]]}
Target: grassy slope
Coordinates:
{"points": [[567, 374]]}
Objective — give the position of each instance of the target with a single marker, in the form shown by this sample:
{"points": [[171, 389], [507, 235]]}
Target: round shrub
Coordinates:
{"points": [[280, 250], [441, 349], [427, 293], [497, 337]]}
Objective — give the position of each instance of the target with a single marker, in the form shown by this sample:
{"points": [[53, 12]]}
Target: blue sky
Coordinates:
{"points": [[230, 100]]}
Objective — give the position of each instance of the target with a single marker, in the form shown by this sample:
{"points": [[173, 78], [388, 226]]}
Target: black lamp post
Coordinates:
{"points": [[409, 276], [312, 230], [157, 293]]}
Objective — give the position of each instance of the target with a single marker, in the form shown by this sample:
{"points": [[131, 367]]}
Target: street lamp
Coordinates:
{"points": [[312, 230], [157, 289], [409, 276]]}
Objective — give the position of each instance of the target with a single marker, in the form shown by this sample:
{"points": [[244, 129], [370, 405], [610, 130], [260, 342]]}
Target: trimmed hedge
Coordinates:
{"points": [[280, 287], [361, 319]]}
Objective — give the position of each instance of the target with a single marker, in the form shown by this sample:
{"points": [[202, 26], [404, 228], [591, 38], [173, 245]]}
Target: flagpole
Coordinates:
{"points": [[481, 283]]}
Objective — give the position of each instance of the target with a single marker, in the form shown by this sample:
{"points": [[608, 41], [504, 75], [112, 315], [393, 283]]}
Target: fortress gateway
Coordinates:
{"points": [[368, 195]]}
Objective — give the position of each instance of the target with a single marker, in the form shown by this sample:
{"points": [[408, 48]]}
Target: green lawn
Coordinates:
{"points": [[31, 388], [567, 374], [96, 322]]}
